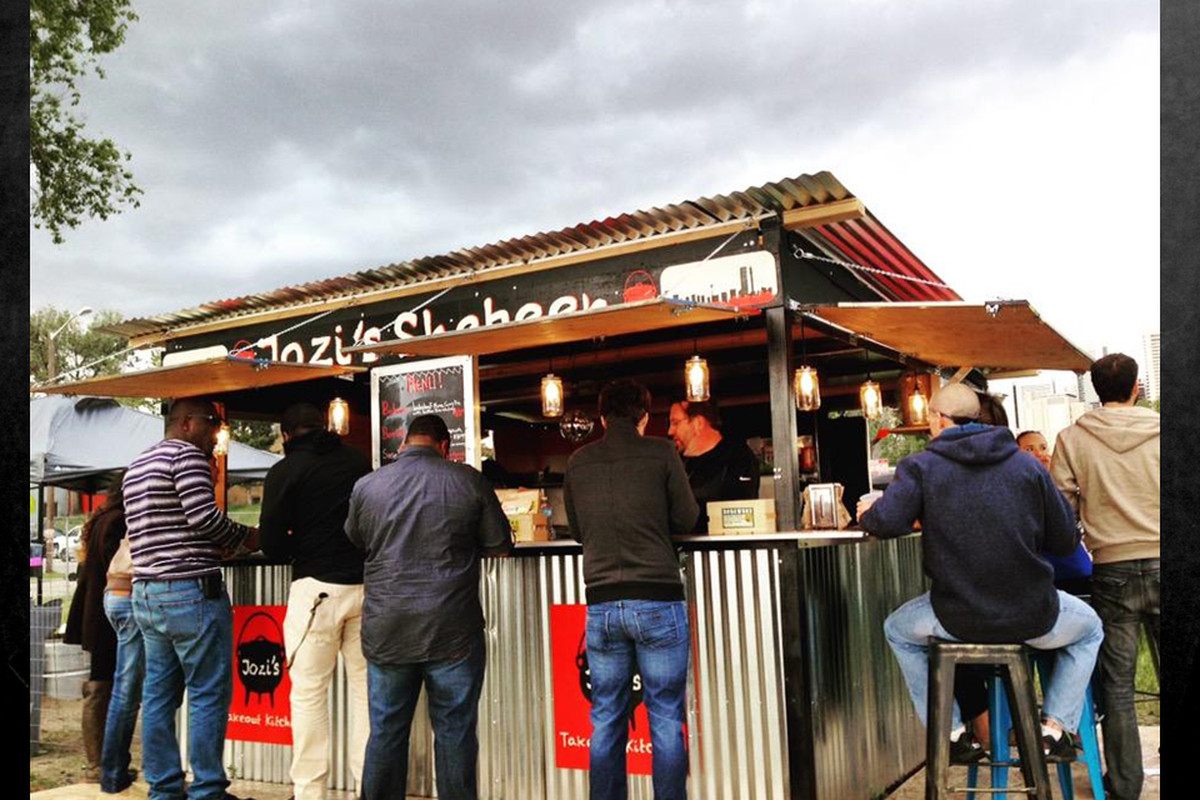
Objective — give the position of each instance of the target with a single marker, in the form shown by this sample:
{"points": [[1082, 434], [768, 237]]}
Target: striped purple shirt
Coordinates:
{"points": [[175, 528]]}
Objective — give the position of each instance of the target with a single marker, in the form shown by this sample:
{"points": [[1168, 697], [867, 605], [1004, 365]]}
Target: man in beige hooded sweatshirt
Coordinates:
{"points": [[1107, 464]]}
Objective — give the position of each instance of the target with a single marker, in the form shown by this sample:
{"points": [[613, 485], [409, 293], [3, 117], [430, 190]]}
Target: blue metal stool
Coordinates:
{"points": [[1000, 724], [1012, 665]]}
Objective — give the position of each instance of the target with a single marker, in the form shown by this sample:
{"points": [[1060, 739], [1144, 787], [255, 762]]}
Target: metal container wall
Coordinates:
{"points": [[268, 585], [865, 733]]}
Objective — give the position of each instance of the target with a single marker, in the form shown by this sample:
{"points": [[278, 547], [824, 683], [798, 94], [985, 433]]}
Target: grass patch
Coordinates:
{"points": [[1147, 681]]}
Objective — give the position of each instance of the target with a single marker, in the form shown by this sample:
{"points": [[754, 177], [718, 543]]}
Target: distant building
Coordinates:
{"points": [[1150, 376], [1040, 408]]}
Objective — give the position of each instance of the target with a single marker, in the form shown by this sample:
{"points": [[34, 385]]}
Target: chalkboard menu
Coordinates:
{"points": [[442, 386]]}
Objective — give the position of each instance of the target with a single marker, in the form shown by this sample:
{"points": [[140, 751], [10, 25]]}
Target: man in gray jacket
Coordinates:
{"points": [[423, 522], [625, 495]]}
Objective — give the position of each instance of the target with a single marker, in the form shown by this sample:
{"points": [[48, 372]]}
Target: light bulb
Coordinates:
{"points": [[696, 379], [552, 396], [808, 389]]}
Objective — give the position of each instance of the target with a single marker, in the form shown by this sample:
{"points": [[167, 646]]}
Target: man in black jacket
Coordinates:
{"points": [[625, 495], [718, 467], [305, 500]]}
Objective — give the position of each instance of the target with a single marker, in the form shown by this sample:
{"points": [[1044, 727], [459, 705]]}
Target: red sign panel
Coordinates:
{"points": [[572, 706], [261, 709]]}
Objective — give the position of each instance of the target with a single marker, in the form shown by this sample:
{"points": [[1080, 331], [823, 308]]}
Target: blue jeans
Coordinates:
{"points": [[189, 644], [1125, 594], [650, 638], [126, 694], [452, 689], [1076, 636]]}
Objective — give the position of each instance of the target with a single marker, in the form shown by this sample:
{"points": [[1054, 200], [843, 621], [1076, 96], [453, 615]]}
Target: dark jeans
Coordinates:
{"points": [[189, 645], [650, 638], [452, 688], [1125, 594], [126, 694]]}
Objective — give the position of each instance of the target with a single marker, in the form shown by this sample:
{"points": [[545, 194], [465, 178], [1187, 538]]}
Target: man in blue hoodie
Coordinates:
{"points": [[987, 514]]}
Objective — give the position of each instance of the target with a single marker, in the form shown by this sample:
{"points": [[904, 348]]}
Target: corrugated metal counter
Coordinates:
{"points": [[794, 693]]}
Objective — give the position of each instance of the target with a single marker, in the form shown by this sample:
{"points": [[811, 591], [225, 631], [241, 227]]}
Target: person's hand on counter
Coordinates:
{"points": [[864, 503]]}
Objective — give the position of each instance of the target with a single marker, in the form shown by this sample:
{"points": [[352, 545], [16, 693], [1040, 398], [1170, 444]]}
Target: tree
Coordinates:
{"points": [[75, 347], [73, 175], [255, 433]]}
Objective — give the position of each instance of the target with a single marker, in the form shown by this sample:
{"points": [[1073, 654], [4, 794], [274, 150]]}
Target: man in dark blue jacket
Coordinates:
{"points": [[987, 514]]}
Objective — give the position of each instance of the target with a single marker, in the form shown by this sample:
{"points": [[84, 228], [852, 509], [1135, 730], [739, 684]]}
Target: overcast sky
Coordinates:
{"points": [[1012, 145]]}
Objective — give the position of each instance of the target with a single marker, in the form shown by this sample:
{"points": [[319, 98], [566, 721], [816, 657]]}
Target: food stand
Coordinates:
{"points": [[793, 693]]}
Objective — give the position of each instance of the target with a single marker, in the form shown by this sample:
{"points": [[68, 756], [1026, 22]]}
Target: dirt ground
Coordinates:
{"points": [[62, 763]]}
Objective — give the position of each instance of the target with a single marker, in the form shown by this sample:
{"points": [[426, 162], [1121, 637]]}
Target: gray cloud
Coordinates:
{"points": [[279, 143]]}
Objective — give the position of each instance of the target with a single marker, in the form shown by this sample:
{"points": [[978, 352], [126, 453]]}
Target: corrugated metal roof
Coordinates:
{"points": [[863, 241]]}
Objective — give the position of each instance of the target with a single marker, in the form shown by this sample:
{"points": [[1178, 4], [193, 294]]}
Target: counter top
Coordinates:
{"points": [[809, 538]]}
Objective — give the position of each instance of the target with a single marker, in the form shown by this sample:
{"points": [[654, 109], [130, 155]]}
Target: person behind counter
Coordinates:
{"points": [[625, 495], [718, 468], [306, 497]]}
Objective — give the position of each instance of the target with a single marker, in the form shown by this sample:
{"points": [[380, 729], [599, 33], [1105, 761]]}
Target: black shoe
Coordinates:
{"points": [[965, 750], [1060, 750]]}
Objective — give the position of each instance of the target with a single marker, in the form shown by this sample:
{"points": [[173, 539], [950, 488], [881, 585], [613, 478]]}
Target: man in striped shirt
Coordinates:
{"points": [[176, 538]]}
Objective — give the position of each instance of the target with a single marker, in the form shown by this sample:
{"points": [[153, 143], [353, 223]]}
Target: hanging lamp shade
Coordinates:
{"points": [[915, 391], [695, 377], [552, 396], [337, 417], [221, 448], [870, 399], [807, 384]]}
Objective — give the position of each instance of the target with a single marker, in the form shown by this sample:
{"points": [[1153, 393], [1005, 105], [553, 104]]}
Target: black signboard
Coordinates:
{"points": [[442, 386]]}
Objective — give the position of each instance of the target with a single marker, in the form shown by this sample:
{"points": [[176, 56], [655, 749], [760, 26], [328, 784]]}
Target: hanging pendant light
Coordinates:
{"points": [[870, 397], [552, 396], [806, 382], [808, 389], [695, 378], [914, 398], [337, 417], [221, 448]]}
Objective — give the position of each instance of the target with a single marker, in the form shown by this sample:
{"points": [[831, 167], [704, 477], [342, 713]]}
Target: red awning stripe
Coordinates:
{"points": [[918, 266], [886, 258], [838, 236]]}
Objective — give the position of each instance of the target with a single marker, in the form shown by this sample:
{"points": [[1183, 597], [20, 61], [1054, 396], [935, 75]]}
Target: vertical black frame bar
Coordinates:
{"points": [[780, 366]]}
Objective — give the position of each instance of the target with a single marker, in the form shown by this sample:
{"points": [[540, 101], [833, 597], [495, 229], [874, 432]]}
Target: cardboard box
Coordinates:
{"points": [[525, 509], [530, 527], [732, 517]]}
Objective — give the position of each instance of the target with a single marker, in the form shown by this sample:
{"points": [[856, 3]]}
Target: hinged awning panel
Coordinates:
{"points": [[1003, 335], [578, 326], [211, 376]]}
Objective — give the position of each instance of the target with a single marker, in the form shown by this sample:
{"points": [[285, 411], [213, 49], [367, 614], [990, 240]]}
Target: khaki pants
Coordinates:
{"points": [[336, 628]]}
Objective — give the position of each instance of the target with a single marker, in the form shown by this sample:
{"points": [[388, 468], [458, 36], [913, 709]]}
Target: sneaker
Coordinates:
{"points": [[965, 750], [1060, 750]]}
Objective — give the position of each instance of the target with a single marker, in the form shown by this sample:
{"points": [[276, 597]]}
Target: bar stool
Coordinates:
{"points": [[1012, 664], [1000, 723]]}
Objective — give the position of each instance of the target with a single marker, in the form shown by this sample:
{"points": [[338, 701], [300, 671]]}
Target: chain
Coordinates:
{"points": [[799, 253]]}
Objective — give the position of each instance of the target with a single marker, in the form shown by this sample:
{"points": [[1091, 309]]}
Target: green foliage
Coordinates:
{"points": [[893, 447], [75, 347], [260, 435], [74, 175]]}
